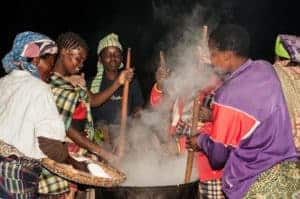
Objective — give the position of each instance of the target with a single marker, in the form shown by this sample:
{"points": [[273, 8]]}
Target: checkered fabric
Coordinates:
{"points": [[19, 177], [66, 98], [211, 189], [52, 184]]}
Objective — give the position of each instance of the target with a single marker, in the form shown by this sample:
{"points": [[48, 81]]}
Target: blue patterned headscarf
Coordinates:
{"points": [[28, 45]]}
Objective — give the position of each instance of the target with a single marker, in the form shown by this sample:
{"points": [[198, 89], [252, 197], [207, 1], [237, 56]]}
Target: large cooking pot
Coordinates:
{"points": [[181, 191]]}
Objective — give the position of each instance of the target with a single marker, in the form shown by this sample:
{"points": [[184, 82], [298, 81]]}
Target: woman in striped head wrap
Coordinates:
{"points": [[109, 68]]}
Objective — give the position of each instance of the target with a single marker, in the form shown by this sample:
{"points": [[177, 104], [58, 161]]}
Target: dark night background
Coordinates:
{"points": [[137, 25]]}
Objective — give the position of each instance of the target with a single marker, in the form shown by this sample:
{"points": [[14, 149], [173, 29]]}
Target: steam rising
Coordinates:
{"points": [[151, 158]]}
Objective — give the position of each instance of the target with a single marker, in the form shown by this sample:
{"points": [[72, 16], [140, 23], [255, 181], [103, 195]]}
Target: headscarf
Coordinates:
{"points": [[28, 45], [288, 46], [109, 40]]}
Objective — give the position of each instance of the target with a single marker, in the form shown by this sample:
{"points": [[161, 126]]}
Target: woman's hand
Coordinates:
{"points": [[205, 114], [76, 80], [161, 74], [126, 75], [82, 166], [203, 55], [192, 143]]}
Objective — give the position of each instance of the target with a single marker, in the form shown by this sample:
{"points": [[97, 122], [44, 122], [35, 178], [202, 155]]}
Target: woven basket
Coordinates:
{"points": [[70, 173], [7, 150]]}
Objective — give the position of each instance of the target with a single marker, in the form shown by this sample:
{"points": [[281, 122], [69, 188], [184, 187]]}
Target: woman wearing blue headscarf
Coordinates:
{"points": [[30, 52], [28, 115]]}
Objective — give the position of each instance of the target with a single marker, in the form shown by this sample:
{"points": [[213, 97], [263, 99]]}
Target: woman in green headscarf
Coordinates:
{"points": [[287, 66], [109, 67]]}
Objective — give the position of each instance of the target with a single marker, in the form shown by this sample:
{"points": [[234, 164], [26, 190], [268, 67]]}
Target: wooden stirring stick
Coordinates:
{"points": [[196, 107], [124, 109]]}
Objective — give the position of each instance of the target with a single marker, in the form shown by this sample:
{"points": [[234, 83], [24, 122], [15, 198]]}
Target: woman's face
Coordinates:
{"points": [[45, 66], [73, 60], [219, 59], [111, 58]]}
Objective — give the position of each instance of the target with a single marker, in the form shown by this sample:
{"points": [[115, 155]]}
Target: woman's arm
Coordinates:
{"points": [[99, 98], [217, 153], [82, 141]]}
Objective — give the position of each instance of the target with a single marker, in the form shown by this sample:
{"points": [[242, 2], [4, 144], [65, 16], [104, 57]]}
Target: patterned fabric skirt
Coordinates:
{"points": [[52, 184], [211, 189], [290, 82], [280, 182], [19, 177]]}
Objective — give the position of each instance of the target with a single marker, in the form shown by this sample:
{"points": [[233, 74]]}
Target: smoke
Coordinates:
{"points": [[151, 155], [184, 43]]}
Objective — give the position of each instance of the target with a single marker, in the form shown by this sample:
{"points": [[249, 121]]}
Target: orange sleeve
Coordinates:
{"points": [[155, 96]]}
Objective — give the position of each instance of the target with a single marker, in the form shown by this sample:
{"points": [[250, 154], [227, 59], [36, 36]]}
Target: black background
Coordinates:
{"points": [[138, 26]]}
